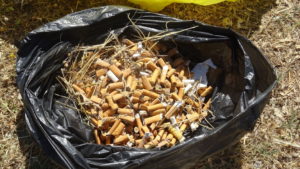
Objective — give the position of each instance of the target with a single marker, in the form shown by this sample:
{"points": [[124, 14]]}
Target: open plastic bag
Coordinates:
{"points": [[157, 5], [241, 87]]}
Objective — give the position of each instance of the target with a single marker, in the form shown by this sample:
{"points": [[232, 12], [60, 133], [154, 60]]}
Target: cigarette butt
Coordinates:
{"points": [[145, 129], [207, 105], [153, 119], [95, 122], [126, 72], [129, 81], [134, 84], [146, 54], [173, 142], [167, 84], [194, 126], [207, 91], [154, 76], [128, 42], [164, 74], [152, 126], [115, 70], [137, 93], [112, 76], [146, 83], [179, 61], [101, 72], [150, 94], [155, 101], [170, 72], [180, 84], [164, 136], [139, 124], [107, 140], [136, 106], [143, 106], [118, 129], [103, 91], [117, 97], [78, 89], [177, 133], [136, 130], [102, 63], [134, 100], [113, 128], [125, 111], [174, 80], [180, 92], [170, 136], [187, 88], [109, 112], [97, 138], [111, 103], [129, 119], [115, 85], [145, 59], [121, 139], [174, 108], [161, 62], [162, 143], [113, 93], [150, 65], [193, 117], [145, 99], [158, 111], [183, 127], [155, 107], [175, 97], [96, 99], [89, 91]]}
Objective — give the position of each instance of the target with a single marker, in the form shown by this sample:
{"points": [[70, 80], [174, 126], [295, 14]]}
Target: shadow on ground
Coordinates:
{"points": [[21, 16]]}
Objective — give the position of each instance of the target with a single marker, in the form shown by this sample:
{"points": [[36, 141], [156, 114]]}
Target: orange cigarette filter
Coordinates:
{"points": [[97, 138], [125, 111], [207, 91], [129, 81], [155, 101], [155, 107], [144, 60], [167, 84], [207, 105], [96, 99], [101, 72], [139, 124], [119, 129], [117, 97], [135, 100], [170, 72], [150, 94], [111, 103], [121, 139], [113, 128], [89, 91], [95, 122], [109, 112], [128, 42], [161, 62], [153, 119], [146, 83], [107, 140], [154, 76], [164, 74], [134, 83], [175, 97], [176, 133], [78, 89], [183, 127], [115, 70], [116, 85], [150, 65], [158, 111], [129, 119], [180, 92], [126, 72], [102, 63]]}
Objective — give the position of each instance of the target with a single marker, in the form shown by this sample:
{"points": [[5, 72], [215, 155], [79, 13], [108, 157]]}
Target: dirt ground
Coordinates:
{"points": [[273, 25]]}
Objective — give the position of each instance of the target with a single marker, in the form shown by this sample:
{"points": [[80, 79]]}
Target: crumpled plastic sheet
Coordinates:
{"points": [[242, 81]]}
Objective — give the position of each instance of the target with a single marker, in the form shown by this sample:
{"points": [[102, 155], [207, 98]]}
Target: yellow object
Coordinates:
{"points": [[157, 5]]}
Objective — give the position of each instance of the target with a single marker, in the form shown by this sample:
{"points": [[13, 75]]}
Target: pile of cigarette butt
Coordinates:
{"points": [[138, 94]]}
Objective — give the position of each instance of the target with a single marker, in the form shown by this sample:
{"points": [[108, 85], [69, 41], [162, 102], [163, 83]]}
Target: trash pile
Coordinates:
{"points": [[139, 94]]}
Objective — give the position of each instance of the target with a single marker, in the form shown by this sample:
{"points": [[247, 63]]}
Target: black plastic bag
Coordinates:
{"points": [[241, 90]]}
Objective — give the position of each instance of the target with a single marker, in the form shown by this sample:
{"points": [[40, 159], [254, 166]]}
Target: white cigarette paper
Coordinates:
{"points": [[112, 76]]}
